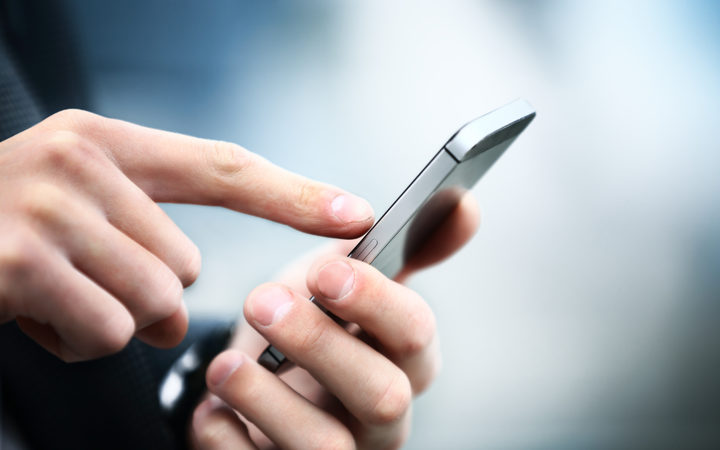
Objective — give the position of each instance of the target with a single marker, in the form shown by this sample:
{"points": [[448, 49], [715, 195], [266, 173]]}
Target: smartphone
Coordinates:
{"points": [[432, 196]]}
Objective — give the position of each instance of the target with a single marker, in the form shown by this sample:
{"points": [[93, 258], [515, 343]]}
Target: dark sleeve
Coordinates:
{"points": [[103, 404], [39, 42], [107, 403]]}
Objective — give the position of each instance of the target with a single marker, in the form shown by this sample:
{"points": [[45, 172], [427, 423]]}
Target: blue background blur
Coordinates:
{"points": [[585, 312]]}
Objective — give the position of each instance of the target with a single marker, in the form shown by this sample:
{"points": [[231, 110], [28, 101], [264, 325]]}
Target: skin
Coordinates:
{"points": [[351, 388], [88, 259]]}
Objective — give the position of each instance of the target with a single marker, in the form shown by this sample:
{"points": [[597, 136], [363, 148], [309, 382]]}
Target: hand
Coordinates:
{"points": [[88, 259], [350, 388]]}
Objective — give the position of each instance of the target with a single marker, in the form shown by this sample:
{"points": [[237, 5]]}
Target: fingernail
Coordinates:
{"points": [[222, 367], [336, 280], [270, 305], [349, 208]]}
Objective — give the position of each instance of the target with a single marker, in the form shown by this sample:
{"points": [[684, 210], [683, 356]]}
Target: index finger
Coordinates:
{"points": [[172, 167]]}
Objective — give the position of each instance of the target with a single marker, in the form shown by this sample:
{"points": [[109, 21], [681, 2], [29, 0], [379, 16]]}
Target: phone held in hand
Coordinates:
{"points": [[432, 195]]}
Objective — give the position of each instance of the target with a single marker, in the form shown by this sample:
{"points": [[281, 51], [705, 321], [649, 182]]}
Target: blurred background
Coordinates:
{"points": [[585, 312]]}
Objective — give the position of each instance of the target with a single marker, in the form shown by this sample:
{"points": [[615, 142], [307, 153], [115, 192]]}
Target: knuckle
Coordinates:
{"points": [[313, 336], [66, 115], [16, 254], [59, 149], [308, 193], [117, 332], [67, 150], [64, 140], [226, 160], [393, 403], [19, 256], [43, 202], [74, 119]]}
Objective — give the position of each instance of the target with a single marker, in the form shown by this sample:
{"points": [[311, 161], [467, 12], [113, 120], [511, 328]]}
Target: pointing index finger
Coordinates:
{"points": [[172, 167]]}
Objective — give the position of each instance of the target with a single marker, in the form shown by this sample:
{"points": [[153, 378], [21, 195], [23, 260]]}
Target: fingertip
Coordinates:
{"points": [[469, 210], [350, 209], [268, 304], [348, 231], [332, 278], [166, 333], [332, 213], [222, 367], [317, 264]]}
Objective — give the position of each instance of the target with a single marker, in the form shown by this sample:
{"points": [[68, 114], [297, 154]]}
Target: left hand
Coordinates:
{"points": [[351, 388]]}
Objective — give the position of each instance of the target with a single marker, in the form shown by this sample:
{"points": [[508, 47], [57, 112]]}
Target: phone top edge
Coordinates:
{"points": [[483, 132], [444, 149]]}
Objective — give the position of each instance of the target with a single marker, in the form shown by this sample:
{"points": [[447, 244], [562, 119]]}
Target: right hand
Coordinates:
{"points": [[88, 259], [350, 388]]}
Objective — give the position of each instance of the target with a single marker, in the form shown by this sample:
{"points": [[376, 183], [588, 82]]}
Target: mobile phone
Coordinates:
{"points": [[432, 196]]}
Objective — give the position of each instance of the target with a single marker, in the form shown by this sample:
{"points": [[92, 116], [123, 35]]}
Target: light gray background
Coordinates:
{"points": [[584, 313]]}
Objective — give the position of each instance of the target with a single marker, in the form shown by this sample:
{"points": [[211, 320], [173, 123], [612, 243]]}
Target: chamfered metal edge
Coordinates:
{"points": [[482, 133]]}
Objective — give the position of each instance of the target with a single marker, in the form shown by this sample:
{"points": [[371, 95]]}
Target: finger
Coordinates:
{"points": [[41, 333], [172, 167], [166, 333], [133, 275], [146, 286], [217, 427], [371, 387], [87, 321], [91, 175], [129, 209], [449, 237], [394, 315], [287, 418], [294, 274], [452, 234]]}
